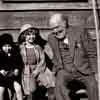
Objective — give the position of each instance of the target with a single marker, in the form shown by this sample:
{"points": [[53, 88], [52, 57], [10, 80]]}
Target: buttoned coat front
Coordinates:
{"points": [[82, 49], [83, 52], [27, 76]]}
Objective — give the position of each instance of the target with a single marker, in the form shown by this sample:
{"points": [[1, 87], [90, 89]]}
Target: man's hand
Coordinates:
{"points": [[3, 72]]}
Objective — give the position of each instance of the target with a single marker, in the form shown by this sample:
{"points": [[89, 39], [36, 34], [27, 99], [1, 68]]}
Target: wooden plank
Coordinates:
{"points": [[42, 6], [45, 0], [14, 20]]}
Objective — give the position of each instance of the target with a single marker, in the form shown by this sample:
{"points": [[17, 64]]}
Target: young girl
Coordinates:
{"points": [[11, 66], [35, 70], [33, 58]]}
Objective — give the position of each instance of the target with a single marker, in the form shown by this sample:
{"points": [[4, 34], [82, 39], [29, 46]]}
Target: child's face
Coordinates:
{"points": [[6, 48], [30, 36]]}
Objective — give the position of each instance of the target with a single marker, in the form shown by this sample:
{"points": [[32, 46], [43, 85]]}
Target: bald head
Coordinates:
{"points": [[58, 24], [57, 19]]}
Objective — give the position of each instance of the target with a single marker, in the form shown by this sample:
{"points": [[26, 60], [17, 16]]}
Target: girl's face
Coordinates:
{"points": [[6, 48], [30, 36]]}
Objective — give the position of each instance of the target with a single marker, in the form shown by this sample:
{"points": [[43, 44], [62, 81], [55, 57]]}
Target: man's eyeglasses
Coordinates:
{"points": [[57, 32]]}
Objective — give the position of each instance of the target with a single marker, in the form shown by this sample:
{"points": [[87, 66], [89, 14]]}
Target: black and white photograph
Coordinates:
{"points": [[49, 50]]}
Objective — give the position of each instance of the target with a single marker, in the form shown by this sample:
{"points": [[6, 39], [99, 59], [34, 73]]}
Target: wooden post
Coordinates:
{"points": [[96, 21]]}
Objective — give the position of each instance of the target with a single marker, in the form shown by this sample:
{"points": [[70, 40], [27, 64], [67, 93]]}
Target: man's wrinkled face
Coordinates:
{"points": [[58, 27], [59, 31]]}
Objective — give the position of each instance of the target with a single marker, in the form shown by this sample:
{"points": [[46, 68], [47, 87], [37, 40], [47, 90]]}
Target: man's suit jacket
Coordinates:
{"points": [[82, 49]]}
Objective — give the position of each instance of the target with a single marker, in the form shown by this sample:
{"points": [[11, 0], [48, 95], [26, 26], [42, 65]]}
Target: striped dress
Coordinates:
{"points": [[33, 60]]}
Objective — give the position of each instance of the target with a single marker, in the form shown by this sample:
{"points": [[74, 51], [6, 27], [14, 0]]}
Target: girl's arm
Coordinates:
{"points": [[41, 64]]}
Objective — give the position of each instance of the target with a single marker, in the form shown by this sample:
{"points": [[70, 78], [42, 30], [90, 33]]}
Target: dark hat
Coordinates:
{"points": [[6, 39]]}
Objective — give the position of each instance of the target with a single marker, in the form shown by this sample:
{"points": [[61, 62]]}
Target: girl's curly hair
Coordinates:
{"points": [[22, 36]]}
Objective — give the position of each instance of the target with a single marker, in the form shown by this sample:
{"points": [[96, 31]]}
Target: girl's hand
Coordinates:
{"points": [[3, 72], [16, 72], [34, 73]]}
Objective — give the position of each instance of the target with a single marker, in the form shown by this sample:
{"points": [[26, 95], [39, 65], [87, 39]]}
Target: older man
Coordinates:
{"points": [[74, 57]]}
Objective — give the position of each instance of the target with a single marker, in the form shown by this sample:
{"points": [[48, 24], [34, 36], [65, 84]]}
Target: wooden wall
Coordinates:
{"points": [[14, 15]]}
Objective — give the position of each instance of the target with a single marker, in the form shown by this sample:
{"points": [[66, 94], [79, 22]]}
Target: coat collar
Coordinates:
{"points": [[71, 41], [55, 46]]}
